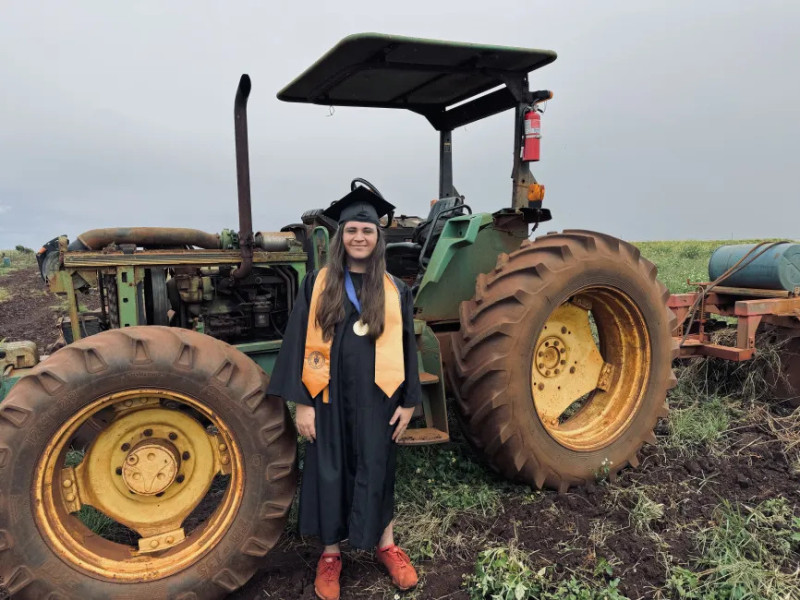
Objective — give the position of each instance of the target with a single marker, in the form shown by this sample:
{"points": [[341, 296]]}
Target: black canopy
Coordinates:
{"points": [[425, 76]]}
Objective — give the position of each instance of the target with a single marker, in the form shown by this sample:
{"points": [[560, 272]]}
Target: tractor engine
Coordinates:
{"points": [[253, 308]]}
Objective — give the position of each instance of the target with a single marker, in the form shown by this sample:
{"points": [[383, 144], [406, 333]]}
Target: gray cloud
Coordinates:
{"points": [[670, 119]]}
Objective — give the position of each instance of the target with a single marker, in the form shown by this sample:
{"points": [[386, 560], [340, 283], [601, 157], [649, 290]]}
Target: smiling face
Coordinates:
{"points": [[359, 239]]}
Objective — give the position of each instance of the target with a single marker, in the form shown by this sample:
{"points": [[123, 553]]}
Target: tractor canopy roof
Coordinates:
{"points": [[425, 76]]}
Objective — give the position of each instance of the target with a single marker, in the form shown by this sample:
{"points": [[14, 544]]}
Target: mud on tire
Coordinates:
{"points": [[494, 351], [214, 374]]}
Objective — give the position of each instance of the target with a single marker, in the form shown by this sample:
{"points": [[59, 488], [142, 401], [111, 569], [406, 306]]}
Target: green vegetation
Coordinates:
{"points": [[699, 426], [505, 573], [678, 261], [438, 486], [20, 258], [746, 553]]}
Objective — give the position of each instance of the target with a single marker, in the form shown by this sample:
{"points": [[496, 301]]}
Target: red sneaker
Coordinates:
{"points": [[399, 566], [326, 585]]}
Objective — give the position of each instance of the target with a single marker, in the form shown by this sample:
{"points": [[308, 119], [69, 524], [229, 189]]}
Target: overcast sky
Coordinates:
{"points": [[671, 119]]}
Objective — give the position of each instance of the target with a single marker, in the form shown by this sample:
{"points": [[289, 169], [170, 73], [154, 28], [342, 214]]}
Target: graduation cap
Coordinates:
{"points": [[362, 205]]}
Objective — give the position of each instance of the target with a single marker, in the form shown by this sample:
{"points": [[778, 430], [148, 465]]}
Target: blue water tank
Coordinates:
{"points": [[776, 269]]}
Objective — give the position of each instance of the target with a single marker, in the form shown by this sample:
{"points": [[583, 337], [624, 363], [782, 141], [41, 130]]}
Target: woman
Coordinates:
{"points": [[349, 362]]}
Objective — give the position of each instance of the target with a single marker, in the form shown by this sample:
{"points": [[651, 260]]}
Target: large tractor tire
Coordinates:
{"points": [[564, 359], [190, 479]]}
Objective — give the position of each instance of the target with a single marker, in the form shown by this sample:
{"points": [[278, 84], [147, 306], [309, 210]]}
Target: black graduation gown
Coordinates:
{"points": [[347, 489]]}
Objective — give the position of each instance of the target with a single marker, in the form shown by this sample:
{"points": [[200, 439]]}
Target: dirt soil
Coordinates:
{"points": [[561, 530], [32, 312], [557, 528]]}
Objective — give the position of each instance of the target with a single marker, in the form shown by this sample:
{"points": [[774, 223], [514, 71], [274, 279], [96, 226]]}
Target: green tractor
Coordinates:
{"points": [[154, 416]]}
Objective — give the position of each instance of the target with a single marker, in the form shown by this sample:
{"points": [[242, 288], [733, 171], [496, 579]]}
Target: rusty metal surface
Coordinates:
{"points": [[169, 257], [243, 178], [772, 306], [423, 435], [769, 306], [95, 239], [755, 293]]}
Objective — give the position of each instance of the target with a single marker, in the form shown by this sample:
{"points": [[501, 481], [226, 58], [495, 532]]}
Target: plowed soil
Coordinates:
{"points": [[568, 532]]}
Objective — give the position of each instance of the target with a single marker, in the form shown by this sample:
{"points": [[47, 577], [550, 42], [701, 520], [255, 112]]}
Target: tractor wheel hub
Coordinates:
{"points": [[551, 356], [151, 467]]}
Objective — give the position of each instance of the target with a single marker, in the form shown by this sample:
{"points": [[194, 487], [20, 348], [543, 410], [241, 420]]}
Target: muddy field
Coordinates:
{"points": [[711, 512]]}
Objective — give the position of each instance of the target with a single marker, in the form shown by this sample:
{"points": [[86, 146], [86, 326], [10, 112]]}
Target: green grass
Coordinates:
{"points": [[19, 260], [438, 487], [745, 553], [506, 573], [698, 427], [679, 261]]}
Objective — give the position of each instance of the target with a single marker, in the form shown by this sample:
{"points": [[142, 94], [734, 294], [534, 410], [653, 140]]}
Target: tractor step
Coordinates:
{"points": [[423, 435], [428, 378]]}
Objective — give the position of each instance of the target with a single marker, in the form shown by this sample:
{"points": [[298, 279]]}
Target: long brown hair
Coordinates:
{"points": [[330, 310]]}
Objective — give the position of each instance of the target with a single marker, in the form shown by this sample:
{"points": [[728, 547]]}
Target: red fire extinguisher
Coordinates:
{"points": [[533, 135]]}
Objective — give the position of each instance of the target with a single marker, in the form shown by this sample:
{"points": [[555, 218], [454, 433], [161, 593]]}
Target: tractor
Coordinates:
{"points": [[556, 351]]}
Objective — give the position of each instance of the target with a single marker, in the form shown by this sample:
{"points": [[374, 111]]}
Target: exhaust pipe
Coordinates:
{"points": [[243, 178], [97, 239]]}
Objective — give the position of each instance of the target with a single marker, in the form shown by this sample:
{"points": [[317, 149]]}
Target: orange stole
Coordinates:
{"points": [[389, 361]]}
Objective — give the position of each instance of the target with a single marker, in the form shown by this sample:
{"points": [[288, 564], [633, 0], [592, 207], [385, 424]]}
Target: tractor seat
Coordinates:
{"points": [[440, 212], [404, 259]]}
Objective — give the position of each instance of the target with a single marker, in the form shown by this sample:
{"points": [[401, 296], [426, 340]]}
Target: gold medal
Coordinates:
{"points": [[360, 328]]}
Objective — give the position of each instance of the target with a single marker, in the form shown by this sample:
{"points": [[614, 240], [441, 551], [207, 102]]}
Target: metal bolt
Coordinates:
{"points": [[186, 455], [67, 483], [546, 344], [541, 365], [572, 369], [541, 386], [169, 539], [224, 460], [563, 362], [563, 330], [148, 432], [555, 343], [541, 354], [173, 436], [180, 478], [154, 544], [562, 350], [127, 403], [118, 471], [558, 371], [223, 447], [547, 372], [125, 447], [69, 497]]}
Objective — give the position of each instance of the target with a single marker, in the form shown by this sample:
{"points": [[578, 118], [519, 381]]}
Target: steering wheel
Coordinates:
{"points": [[360, 181]]}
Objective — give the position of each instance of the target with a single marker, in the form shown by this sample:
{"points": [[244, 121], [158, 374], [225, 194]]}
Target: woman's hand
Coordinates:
{"points": [[401, 416], [304, 415]]}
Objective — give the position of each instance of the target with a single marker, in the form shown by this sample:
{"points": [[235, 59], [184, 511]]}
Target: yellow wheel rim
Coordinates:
{"points": [[148, 469], [590, 368]]}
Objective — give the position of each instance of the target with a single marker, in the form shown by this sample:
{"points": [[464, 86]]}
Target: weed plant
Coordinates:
{"points": [[437, 487], [505, 573], [748, 553]]}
